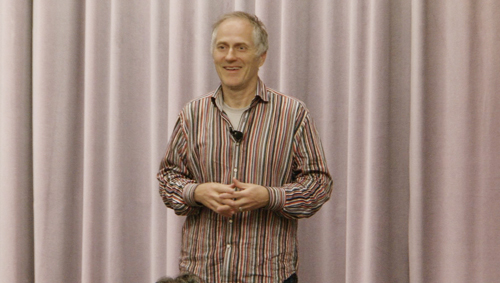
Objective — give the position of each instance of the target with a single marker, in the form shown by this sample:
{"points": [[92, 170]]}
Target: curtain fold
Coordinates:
{"points": [[57, 139], [16, 136], [377, 186], [454, 191], [404, 94]]}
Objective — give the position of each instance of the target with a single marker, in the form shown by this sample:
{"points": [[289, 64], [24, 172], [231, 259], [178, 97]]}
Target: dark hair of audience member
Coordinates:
{"points": [[183, 278]]}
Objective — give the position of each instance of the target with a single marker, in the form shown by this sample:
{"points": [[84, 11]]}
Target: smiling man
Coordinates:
{"points": [[244, 163]]}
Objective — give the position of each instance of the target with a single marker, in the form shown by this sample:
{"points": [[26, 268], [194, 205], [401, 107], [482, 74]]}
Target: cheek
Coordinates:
{"points": [[216, 59]]}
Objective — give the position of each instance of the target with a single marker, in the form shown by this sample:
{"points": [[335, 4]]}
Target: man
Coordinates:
{"points": [[243, 164]]}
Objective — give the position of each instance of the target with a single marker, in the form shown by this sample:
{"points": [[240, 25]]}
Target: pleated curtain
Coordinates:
{"points": [[405, 95]]}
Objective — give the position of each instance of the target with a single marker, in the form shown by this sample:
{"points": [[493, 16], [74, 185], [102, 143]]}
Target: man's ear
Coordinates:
{"points": [[262, 59]]}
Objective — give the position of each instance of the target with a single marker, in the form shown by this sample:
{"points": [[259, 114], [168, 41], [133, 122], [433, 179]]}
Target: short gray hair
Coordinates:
{"points": [[259, 30]]}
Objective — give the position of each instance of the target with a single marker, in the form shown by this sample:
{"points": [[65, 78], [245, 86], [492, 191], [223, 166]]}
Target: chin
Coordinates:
{"points": [[232, 85]]}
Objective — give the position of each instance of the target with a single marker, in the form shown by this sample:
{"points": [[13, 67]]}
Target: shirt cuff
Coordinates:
{"points": [[277, 198], [188, 194]]}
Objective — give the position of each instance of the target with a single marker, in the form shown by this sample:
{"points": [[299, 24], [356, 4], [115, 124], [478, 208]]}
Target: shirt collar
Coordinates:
{"points": [[260, 94]]}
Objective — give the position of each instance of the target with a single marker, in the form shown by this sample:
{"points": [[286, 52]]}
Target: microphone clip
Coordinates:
{"points": [[237, 135]]}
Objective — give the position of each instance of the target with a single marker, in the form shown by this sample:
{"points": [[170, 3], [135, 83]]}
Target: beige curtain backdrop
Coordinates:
{"points": [[405, 94]]}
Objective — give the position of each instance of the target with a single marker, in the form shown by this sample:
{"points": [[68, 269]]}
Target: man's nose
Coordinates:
{"points": [[230, 55]]}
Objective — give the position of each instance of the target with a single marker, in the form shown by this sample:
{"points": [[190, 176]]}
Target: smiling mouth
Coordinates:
{"points": [[232, 68]]}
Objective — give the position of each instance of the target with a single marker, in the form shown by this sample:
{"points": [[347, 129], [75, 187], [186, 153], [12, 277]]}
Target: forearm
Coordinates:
{"points": [[174, 175], [176, 181], [302, 198], [177, 192], [311, 185]]}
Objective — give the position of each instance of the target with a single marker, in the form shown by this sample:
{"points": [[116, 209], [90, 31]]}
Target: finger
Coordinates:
{"points": [[241, 195], [225, 210], [225, 189], [213, 205], [229, 202], [238, 184], [237, 203], [224, 196]]}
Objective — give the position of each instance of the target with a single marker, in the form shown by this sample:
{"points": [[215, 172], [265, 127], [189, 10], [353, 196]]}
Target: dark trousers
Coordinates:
{"points": [[292, 279]]}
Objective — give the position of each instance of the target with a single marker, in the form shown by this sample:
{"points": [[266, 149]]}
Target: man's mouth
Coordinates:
{"points": [[232, 68]]}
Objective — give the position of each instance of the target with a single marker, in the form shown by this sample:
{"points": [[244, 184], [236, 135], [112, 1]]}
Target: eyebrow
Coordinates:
{"points": [[236, 44]]}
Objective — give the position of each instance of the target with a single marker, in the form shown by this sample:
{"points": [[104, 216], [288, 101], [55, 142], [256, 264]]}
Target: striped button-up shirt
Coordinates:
{"points": [[280, 150]]}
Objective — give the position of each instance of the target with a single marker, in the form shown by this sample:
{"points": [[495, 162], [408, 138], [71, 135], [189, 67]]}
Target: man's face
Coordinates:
{"points": [[235, 56]]}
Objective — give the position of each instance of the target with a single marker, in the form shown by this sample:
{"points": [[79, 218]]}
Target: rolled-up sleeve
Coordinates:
{"points": [[176, 183], [311, 186]]}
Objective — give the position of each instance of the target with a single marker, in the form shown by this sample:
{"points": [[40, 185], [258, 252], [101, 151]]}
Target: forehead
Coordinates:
{"points": [[235, 30]]}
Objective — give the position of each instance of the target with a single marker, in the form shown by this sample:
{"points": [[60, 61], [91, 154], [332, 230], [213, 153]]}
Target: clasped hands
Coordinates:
{"points": [[233, 198]]}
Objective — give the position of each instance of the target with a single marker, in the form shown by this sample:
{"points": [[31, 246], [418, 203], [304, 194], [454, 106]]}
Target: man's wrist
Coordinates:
{"points": [[277, 198], [188, 194]]}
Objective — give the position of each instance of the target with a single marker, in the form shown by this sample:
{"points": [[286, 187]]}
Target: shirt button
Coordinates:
{"points": [[230, 220], [228, 246]]}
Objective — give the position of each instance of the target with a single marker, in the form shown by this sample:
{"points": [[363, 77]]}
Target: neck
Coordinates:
{"points": [[238, 98]]}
